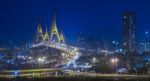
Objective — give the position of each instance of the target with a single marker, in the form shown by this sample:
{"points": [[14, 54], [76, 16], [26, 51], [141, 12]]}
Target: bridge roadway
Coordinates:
{"points": [[63, 47], [54, 72], [29, 72], [89, 74]]}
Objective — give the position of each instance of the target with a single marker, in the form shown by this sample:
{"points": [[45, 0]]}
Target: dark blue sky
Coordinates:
{"points": [[98, 18]]}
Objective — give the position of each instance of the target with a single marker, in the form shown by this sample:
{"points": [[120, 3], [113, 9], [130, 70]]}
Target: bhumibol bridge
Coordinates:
{"points": [[56, 40]]}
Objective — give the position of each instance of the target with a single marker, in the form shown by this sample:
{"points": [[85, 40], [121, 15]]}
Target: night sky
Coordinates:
{"points": [[98, 18]]}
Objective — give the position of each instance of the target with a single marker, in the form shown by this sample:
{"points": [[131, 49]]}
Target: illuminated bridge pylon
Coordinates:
{"points": [[62, 38], [54, 31], [46, 36], [39, 34]]}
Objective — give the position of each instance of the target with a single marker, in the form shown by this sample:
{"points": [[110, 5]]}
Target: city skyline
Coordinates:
{"points": [[77, 40], [22, 22]]}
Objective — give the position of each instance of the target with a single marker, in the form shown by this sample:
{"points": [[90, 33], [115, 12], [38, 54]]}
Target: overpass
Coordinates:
{"points": [[100, 75], [29, 72]]}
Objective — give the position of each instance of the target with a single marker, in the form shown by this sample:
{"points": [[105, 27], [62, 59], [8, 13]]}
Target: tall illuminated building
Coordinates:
{"points": [[144, 45], [147, 42], [129, 32]]}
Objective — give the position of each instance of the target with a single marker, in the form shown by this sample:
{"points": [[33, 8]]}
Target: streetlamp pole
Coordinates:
{"points": [[41, 60], [42, 64], [93, 62], [115, 61], [135, 71]]}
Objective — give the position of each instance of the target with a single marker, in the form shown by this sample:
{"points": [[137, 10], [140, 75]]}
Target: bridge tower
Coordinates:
{"points": [[46, 36], [62, 39], [54, 34], [39, 35]]}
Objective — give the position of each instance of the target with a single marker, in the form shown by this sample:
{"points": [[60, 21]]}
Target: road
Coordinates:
{"points": [[29, 72], [88, 74], [49, 72]]}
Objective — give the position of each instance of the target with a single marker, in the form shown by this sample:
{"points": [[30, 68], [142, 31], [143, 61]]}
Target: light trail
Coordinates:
{"points": [[73, 51]]}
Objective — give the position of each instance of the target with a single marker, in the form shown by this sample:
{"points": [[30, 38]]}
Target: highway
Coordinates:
{"points": [[31, 73], [88, 74]]}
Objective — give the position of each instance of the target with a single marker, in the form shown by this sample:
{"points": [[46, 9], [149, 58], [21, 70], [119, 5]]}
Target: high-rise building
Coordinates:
{"points": [[129, 32], [144, 45]]}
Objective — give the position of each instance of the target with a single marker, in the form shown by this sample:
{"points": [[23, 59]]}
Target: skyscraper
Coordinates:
{"points": [[129, 32]]}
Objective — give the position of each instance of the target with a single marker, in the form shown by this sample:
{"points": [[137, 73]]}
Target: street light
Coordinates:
{"points": [[41, 60], [93, 60], [135, 71], [63, 54], [115, 60]]}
